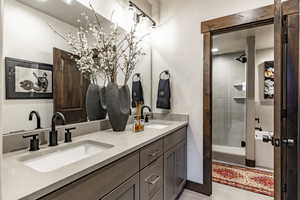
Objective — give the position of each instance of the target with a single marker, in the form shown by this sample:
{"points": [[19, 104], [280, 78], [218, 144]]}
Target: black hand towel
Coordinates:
{"points": [[164, 92], [137, 91]]}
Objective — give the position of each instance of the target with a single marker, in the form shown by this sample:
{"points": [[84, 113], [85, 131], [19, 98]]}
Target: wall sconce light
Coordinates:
{"points": [[141, 14]]}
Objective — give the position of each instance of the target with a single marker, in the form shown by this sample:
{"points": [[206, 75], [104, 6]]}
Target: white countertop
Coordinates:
{"points": [[21, 182]]}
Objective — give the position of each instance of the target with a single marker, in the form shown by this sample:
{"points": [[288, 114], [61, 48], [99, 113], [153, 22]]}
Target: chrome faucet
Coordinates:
{"points": [[53, 138], [38, 118]]}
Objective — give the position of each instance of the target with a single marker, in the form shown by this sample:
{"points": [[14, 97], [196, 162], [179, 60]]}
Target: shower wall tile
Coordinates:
{"points": [[266, 116]]}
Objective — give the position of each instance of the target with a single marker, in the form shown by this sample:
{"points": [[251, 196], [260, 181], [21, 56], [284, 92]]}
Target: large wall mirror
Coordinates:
{"points": [[38, 59]]}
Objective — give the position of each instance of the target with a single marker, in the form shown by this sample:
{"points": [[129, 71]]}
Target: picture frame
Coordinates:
{"points": [[269, 80], [28, 80]]}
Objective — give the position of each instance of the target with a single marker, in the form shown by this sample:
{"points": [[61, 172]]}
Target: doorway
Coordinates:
{"points": [[242, 110], [285, 17]]}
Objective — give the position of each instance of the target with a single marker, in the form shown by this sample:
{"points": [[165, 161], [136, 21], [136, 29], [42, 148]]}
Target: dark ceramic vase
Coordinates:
{"points": [[94, 108], [117, 101]]}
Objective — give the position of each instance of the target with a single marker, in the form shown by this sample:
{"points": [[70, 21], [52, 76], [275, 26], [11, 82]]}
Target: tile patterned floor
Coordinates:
{"points": [[224, 192]]}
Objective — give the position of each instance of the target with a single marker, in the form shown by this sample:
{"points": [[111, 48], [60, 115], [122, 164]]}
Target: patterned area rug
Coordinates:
{"points": [[252, 180]]}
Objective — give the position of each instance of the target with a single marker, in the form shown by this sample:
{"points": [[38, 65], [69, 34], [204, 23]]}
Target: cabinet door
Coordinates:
{"points": [[170, 174], [181, 166], [151, 180], [127, 191]]}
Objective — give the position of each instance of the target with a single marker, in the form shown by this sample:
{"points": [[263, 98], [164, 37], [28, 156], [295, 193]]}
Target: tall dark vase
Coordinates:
{"points": [[117, 100], [94, 108]]}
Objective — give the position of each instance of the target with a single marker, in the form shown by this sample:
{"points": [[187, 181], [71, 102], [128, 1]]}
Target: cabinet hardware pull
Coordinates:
{"points": [[154, 153], [152, 179]]}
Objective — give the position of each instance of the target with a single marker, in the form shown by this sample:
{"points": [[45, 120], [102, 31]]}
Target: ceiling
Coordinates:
{"points": [[236, 41], [63, 11]]}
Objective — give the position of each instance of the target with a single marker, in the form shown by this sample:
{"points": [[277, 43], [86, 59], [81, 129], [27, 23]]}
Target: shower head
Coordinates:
{"points": [[242, 58]]}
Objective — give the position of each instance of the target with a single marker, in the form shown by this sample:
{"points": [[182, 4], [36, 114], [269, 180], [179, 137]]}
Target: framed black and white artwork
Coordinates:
{"points": [[28, 80]]}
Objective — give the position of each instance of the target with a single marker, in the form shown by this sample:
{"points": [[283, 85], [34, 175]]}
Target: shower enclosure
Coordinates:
{"points": [[229, 105]]}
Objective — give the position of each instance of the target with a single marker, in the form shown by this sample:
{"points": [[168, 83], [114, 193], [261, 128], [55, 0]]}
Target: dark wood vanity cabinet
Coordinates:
{"points": [[155, 172], [99, 183], [175, 165]]}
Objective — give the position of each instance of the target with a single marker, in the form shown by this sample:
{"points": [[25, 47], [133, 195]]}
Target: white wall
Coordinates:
{"points": [[178, 46], [264, 108], [27, 36]]}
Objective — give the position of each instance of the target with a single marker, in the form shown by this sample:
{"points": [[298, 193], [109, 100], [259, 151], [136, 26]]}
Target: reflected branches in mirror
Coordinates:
{"points": [[101, 54]]}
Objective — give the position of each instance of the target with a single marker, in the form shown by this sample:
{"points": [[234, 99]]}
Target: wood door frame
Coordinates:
{"points": [[243, 20]]}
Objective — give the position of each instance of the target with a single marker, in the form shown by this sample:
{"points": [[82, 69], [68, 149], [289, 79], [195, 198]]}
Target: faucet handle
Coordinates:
{"points": [[70, 129], [257, 119], [34, 142], [68, 134]]}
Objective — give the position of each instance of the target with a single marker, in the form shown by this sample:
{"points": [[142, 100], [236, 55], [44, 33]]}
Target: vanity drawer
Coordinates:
{"points": [[99, 183], [150, 153], [174, 138], [151, 180]]}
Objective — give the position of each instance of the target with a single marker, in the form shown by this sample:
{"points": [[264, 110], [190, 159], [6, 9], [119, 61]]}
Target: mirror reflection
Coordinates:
{"points": [[43, 72]]}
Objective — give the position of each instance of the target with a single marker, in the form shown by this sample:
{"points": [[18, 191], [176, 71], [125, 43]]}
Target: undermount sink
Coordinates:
{"points": [[157, 126], [62, 156]]}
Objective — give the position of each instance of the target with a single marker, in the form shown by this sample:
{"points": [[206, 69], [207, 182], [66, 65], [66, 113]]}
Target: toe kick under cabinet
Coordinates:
{"points": [[155, 172]]}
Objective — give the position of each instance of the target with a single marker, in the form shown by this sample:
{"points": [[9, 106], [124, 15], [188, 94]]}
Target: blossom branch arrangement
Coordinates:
{"points": [[101, 54]]}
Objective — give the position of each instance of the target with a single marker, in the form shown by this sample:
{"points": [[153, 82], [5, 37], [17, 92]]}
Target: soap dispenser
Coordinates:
{"points": [[138, 124]]}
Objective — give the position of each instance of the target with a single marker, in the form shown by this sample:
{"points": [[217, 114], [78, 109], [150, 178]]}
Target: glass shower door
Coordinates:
{"points": [[229, 102]]}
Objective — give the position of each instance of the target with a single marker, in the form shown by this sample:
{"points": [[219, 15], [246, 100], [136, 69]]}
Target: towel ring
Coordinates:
{"points": [[136, 75], [166, 72]]}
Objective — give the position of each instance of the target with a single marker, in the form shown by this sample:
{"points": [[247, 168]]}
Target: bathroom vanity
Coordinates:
{"points": [[148, 166]]}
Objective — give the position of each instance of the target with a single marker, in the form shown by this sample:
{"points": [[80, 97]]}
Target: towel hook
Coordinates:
{"points": [[166, 72]]}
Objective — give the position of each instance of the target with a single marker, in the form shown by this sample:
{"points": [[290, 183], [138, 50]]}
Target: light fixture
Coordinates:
{"points": [[214, 50], [68, 1], [141, 14], [132, 12], [42, 0], [144, 27]]}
